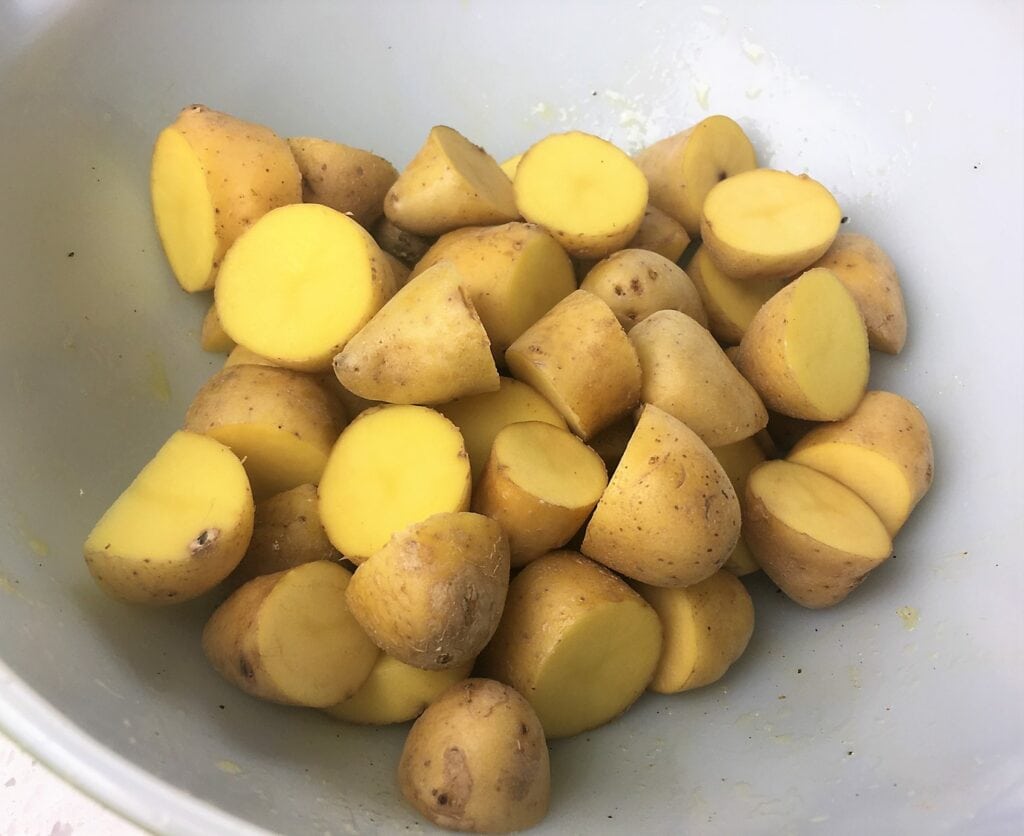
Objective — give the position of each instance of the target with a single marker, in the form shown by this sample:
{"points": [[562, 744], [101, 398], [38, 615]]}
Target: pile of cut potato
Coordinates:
{"points": [[484, 454]]}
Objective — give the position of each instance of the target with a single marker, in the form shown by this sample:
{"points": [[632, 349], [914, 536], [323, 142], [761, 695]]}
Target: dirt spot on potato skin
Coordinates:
{"points": [[451, 797]]}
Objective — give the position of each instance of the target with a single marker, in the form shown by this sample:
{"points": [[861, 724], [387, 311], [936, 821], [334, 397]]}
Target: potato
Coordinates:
{"points": [[815, 538], [450, 183], [511, 165], [540, 484], [391, 467], [350, 180], [514, 274], [882, 452], [432, 596], [765, 224], [477, 760], [785, 431], [683, 168], [298, 284], [638, 283], [868, 273], [658, 233], [579, 358], [282, 424], [426, 346], [400, 271], [687, 374], [611, 443], [212, 336], [406, 246], [286, 533], [706, 628], [576, 641], [289, 638], [212, 177], [241, 356], [178, 530], [730, 303], [481, 417], [395, 692], [737, 460], [806, 350], [669, 516], [586, 192]]}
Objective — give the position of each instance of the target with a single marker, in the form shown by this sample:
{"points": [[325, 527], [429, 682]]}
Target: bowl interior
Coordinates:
{"points": [[903, 701]]}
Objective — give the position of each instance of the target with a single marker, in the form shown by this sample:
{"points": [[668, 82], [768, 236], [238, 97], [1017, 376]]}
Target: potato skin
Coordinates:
{"points": [[476, 760], [433, 596], [670, 516]]}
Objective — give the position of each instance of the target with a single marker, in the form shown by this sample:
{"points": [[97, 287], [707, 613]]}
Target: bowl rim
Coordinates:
{"points": [[103, 775]]}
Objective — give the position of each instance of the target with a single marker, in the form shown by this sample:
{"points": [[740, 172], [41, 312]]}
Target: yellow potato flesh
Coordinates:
{"points": [[772, 213], [273, 457], [551, 464], [298, 284], [579, 185], [481, 417], [876, 479], [308, 642], [510, 165], [816, 505], [193, 486], [482, 175], [717, 149], [393, 466], [183, 208], [396, 692], [826, 343], [593, 673]]}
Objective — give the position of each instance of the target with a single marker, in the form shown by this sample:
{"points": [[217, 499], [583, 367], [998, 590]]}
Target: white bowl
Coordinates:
{"points": [[899, 710]]}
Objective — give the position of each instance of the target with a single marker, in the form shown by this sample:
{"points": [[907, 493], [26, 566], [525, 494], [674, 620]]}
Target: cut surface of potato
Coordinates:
{"points": [[540, 484], [477, 760], [289, 638], [869, 274], [806, 350], [286, 533], [706, 628], [395, 692], [481, 417], [281, 424], [212, 336], [212, 177], [669, 516], [510, 165], [767, 224], [814, 537], [687, 374], [425, 346], [683, 168], [579, 358], [349, 180], [882, 452], [576, 641], [375, 482], [583, 190], [433, 595], [514, 274], [638, 283], [737, 460], [450, 183], [179, 529], [731, 304], [297, 285]]}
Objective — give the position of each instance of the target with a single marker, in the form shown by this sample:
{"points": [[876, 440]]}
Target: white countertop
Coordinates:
{"points": [[35, 802]]}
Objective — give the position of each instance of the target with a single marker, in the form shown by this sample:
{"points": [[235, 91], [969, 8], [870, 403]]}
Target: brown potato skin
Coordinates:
{"points": [[407, 247], [477, 760]]}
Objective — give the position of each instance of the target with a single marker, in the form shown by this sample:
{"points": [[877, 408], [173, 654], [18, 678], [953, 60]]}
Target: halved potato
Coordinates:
{"points": [[737, 461], [806, 350], [179, 529], [212, 336], [392, 466], [815, 538], [290, 638], [882, 451], [766, 224]]}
